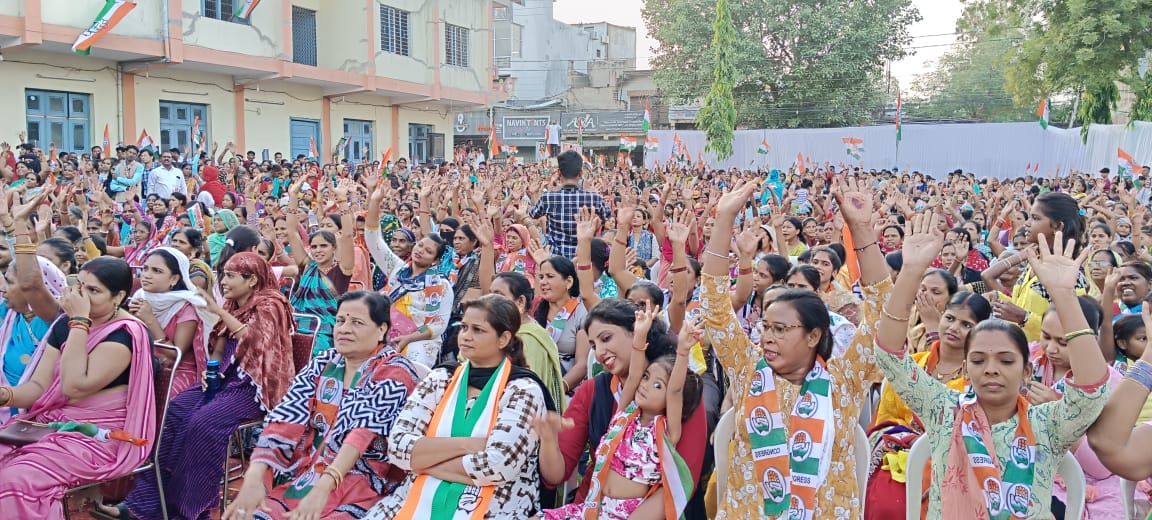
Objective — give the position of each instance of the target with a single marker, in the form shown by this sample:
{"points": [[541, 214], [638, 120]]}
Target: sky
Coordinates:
{"points": [[939, 19]]}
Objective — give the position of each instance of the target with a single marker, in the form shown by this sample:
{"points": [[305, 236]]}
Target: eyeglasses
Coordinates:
{"points": [[777, 330], [1101, 265]]}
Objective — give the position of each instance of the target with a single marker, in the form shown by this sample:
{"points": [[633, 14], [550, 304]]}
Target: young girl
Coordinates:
{"points": [[636, 456]]}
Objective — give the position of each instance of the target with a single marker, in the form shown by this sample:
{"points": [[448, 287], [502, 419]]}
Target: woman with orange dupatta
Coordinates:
{"points": [[994, 452], [253, 343], [479, 461], [94, 367]]}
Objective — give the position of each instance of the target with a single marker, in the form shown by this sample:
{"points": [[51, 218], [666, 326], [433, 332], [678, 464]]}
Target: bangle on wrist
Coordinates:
{"points": [[1078, 333], [715, 254], [678, 269], [884, 312], [866, 246]]}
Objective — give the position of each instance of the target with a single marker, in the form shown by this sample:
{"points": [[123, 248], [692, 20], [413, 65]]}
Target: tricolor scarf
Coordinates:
{"points": [[560, 321], [437, 499], [1007, 492], [1043, 372], [317, 296], [791, 470], [675, 477]]}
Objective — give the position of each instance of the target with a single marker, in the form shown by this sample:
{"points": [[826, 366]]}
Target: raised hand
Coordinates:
{"points": [[690, 335], [1054, 265], [855, 198], [678, 228], [747, 243], [645, 316], [586, 223], [924, 241], [732, 202]]}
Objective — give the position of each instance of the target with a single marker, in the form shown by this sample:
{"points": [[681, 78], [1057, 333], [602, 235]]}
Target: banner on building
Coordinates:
{"points": [[598, 123], [524, 127]]}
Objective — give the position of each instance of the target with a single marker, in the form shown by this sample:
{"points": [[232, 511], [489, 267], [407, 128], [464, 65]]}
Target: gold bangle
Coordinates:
{"points": [[884, 312], [24, 249], [336, 476], [11, 396], [1078, 333], [239, 330]]}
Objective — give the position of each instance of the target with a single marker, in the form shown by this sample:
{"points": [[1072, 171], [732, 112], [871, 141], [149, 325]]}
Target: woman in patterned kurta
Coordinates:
{"points": [[333, 422], [783, 350], [1027, 442]]}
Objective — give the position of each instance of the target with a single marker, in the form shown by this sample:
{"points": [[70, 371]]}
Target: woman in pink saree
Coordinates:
{"points": [[95, 367]]}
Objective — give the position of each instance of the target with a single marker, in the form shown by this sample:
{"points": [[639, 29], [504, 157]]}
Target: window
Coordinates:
{"points": [[221, 10], [176, 120], [60, 118], [303, 36], [456, 45], [500, 13], [418, 143], [359, 134], [393, 30]]}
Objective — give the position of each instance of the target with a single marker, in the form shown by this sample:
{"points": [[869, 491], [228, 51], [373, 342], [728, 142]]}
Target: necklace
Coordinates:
{"points": [[946, 376]]}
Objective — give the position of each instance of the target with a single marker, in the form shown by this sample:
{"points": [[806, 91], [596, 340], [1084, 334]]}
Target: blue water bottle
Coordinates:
{"points": [[213, 379]]}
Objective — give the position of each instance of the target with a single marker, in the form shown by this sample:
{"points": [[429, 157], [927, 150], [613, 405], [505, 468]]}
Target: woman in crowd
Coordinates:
{"points": [[480, 463], [190, 242], [421, 297], [515, 257], [223, 221], [1100, 265], [936, 289], [790, 240], [839, 299], [23, 327], [175, 314], [952, 261], [326, 264], [95, 368], [991, 418], [539, 349], [895, 427], [1052, 212], [253, 343], [793, 369], [562, 314], [319, 445]]}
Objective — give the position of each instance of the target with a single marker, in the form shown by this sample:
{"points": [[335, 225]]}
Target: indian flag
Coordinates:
{"points": [[313, 153], [1127, 163], [110, 15], [899, 114], [764, 147], [677, 478], [145, 142], [627, 143], [196, 142], [1044, 113], [647, 117], [651, 144], [244, 9]]}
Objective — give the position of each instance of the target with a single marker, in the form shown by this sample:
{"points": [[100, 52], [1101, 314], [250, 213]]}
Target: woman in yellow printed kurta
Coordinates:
{"points": [[793, 362]]}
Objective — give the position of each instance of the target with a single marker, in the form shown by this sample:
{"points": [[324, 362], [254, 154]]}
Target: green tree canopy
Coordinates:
{"points": [[718, 115], [968, 84], [813, 63]]}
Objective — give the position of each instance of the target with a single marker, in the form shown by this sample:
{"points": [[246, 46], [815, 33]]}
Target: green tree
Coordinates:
{"points": [[1142, 108], [968, 84], [718, 115], [795, 63], [1070, 47]]}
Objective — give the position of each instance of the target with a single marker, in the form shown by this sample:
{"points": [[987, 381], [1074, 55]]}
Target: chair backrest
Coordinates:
{"points": [[722, 443], [1128, 494], [863, 452], [1075, 484], [1069, 470], [164, 378], [303, 338], [914, 471]]}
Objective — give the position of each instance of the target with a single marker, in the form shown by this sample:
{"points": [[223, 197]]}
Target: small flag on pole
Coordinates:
{"points": [[196, 136], [244, 9], [647, 117], [313, 153], [651, 144], [113, 12], [145, 142], [580, 132], [764, 147], [1044, 113], [342, 147], [627, 143], [107, 141], [1127, 163]]}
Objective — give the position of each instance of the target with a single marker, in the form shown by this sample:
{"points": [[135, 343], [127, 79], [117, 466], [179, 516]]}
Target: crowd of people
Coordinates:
{"points": [[555, 340]]}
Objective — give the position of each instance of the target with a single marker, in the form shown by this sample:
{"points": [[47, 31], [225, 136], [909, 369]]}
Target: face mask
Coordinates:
{"points": [[448, 235]]}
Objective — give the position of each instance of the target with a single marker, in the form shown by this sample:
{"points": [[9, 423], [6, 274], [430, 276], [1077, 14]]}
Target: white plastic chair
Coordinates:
{"points": [[1069, 470], [721, 445], [863, 452], [1128, 493]]}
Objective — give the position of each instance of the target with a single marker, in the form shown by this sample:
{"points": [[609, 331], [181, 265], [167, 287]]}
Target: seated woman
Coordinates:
{"points": [[327, 263], [253, 343], [94, 368], [895, 427], [191, 242], [325, 454], [174, 313], [992, 420], [23, 327], [839, 299], [539, 349], [808, 456], [477, 461]]}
